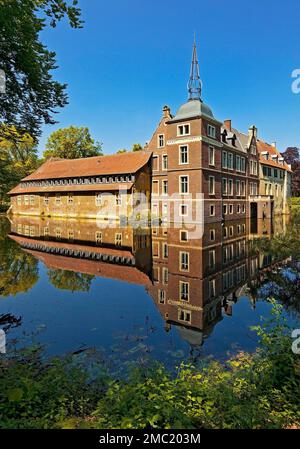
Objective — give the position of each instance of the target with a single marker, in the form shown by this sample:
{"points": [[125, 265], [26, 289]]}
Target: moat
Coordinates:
{"points": [[147, 292]]}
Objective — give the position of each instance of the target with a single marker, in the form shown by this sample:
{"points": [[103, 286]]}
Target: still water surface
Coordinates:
{"points": [[138, 293]]}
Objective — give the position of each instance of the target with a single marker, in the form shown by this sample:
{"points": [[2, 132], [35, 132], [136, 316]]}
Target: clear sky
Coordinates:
{"points": [[132, 57]]}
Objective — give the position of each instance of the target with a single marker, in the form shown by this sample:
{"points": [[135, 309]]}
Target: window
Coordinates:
{"points": [[98, 237], [46, 231], [183, 130], [183, 184], [165, 187], [230, 231], [155, 249], [98, 199], [19, 200], [275, 172], [183, 236], [70, 234], [57, 199], [212, 210], [161, 140], [162, 296], [230, 187], [184, 315], [211, 185], [211, 288], [165, 275], [155, 190], [118, 238], [154, 163], [46, 199], [242, 188], [238, 187], [211, 158], [118, 199], [212, 235], [183, 154], [32, 200], [58, 233], [211, 258], [70, 199], [165, 162], [184, 291], [184, 261], [165, 250], [265, 171], [224, 209], [243, 208], [211, 131], [224, 159], [230, 161], [26, 200], [183, 210], [224, 186], [225, 232], [231, 208], [238, 163], [243, 164], [238, 209]]}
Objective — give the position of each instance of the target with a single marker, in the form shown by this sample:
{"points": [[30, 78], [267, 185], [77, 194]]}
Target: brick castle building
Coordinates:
{"points": [[195, 168]]}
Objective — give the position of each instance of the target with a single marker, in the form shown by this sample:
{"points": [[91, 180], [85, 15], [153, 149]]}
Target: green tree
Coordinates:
{"points": [[31, 95], [121, 151], [18, 158], [72, 143], [69, 280], [137, 147]]}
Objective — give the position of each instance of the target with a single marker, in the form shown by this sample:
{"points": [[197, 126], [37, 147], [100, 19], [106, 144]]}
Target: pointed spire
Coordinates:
{"points": [[195, 84]]}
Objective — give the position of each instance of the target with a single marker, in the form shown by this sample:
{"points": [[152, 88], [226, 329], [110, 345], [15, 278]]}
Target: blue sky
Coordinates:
{"points": [[132, 57]]}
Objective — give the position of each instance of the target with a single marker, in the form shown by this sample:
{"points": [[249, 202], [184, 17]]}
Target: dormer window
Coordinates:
{"points": [[211, 131], [183, 130]]}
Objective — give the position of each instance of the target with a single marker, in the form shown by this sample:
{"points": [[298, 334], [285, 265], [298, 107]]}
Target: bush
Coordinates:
{"points": [[4, 208], [259, 390]]}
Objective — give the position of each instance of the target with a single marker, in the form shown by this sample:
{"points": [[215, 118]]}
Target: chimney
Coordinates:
{"points": [[166, 112], [227, 124]]}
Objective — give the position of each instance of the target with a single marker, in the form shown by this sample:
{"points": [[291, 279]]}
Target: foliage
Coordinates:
{"points": [[32, 95], [72, 143], [259, 390], [292, 157], [137, 147], [18, 158], [70, 280]]}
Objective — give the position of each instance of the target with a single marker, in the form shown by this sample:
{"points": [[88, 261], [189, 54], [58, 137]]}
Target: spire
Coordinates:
{"points": [[194, 84]]}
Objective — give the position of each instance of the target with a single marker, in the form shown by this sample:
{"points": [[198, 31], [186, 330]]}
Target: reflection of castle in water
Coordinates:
{"points": [[192, 281]]}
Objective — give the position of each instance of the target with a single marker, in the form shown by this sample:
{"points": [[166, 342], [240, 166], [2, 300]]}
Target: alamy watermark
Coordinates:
{"points": [[296, 82], [2, 342]]}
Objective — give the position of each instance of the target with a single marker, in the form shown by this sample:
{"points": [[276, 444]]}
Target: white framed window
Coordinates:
{"points": [[165, 187], [183, 154], [243, 208], [70, 199], [230, 209], [212, 235], [118, 238], [211, 156], [162, 296], [118, 199], [58, 233], [183, 130], [46, 199], [184, 235], [165, 273], [155, 187], [230, 231], [184, 263], [211, 259], [238, 163], [184, 184], [98, 237], [32, 200], [211, 185], [211, 131], [164, 162], [230, 187], [238, 209], [46, 231], [242, 188], [161, 140], [238, 187], [26, 200], [19, 200], [165, 251], [211, 288], [225, 209], [185, 315], [225, 232], [224, 159], [212, 210], [70, 234], [224, 186], [243, 164], [230, 161], [184, 291]]}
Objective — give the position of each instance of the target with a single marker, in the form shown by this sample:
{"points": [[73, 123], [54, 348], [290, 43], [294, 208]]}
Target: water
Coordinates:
{"points": [[132, 294]]}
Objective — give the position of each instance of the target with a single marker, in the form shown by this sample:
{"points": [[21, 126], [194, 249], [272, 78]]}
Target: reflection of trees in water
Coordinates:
{"points": [[70, 280], [18, 270], [9, 321]]}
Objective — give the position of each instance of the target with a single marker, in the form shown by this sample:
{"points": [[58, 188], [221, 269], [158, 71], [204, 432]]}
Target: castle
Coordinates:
{"points": [[193, 162]]}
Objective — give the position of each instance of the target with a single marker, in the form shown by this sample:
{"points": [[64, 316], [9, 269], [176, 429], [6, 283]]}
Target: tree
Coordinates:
{"points": [[69, 280], [18, 158], [71, 143], [31, 95], [292, 157], [123, 150], [137, 147]]}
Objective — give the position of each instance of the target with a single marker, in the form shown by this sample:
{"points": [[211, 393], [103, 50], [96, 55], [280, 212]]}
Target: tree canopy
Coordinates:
{"points": [[31, 95], [292, 157], [72, 143]]}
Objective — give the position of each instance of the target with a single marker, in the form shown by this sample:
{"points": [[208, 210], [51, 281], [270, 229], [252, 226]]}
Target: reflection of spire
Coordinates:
{"points": [[195, 84]]}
